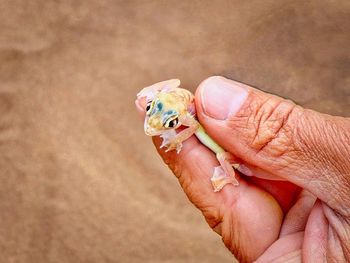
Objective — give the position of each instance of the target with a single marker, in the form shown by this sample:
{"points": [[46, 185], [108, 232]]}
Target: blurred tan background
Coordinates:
{"points": [[79, 181]]}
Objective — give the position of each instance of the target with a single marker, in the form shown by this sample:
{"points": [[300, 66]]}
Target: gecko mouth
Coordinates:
{"points": [[149, 130], [152, 132]]}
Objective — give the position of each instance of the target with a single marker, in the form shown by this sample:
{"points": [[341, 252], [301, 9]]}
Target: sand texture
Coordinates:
{"points": [[79, 181]]}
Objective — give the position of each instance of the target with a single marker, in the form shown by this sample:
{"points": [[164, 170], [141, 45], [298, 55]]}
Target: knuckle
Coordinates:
{"points": [[324, 142], [270, 126]]}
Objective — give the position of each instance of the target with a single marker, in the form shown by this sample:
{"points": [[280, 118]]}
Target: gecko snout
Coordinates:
{"points": [[151, 131]]}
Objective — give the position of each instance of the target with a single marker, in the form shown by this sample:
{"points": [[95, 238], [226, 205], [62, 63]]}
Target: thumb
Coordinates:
{"points": [[275, 136]]}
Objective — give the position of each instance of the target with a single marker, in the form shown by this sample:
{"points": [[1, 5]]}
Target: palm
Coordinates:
{"points": [[262, 216], [266, 218], [258, 216], [254, 219]]}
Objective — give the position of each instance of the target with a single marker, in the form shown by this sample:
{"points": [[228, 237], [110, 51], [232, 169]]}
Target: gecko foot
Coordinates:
{"points": [[220, 179], [150, 91], [169, 142], [225, 173], [175, 146]]}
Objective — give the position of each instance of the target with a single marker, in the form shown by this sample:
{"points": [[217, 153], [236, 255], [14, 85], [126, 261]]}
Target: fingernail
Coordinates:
{"points": [[222, 98]]}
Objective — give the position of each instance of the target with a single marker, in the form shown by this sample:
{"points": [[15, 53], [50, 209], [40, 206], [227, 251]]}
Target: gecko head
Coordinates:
{"points": [[159, 118]]}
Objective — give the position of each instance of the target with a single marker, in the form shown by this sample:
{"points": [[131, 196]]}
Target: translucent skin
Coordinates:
{"points": [[174, 103], [170, 107], [265, 220]]}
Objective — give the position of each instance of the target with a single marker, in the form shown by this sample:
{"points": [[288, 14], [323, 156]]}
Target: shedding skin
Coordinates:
{"points": [[170, 107]]}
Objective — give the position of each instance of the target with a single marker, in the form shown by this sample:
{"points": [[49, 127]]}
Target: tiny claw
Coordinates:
{"points": [[172, 146], [169, 148], [178, 148], [164, 143]]}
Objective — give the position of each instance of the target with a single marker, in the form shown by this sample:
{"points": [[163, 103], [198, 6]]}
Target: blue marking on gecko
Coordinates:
{"points": [[170, 107]]}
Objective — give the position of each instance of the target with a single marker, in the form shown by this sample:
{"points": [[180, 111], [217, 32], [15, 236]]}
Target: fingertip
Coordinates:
{"points": [[221, 98]]}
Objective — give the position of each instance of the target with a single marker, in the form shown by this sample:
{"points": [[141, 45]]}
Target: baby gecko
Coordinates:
{"points": [[169, 107]]}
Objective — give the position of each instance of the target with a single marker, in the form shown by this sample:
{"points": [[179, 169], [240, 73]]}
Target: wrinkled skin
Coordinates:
{"points": [[302, 216]]}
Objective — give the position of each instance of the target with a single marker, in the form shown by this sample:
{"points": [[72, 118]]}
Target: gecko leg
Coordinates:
{"points": [[174, 141], [150, 91], [224, 174]]}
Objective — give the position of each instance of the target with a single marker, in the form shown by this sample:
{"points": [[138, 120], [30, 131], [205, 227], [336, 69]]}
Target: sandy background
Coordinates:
{"points": [[79, 181]]}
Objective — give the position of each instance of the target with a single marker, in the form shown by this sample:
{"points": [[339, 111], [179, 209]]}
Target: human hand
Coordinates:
{"points": [[265, 219]]}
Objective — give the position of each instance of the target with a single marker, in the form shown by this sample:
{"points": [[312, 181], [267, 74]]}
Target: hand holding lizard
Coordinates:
{"points": [[304, 217]]}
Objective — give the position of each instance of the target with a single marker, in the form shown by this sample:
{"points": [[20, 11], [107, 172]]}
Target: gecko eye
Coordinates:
{"points": [[149, 107], [171, 123]]}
